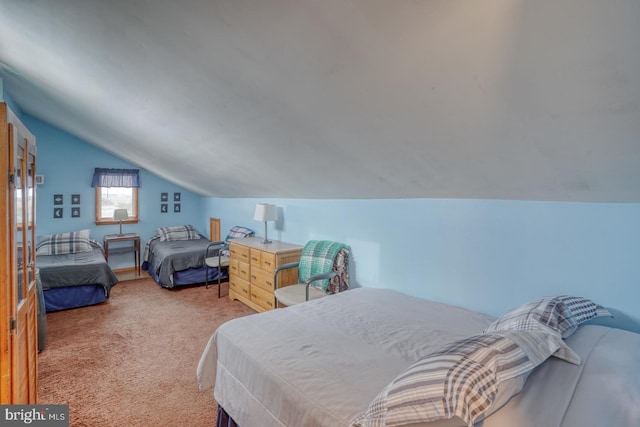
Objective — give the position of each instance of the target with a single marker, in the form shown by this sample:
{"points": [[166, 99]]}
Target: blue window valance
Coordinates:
{"points": [[116, 178]]}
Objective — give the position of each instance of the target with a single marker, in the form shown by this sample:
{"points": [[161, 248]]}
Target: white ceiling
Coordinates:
{"points": [[501, 99]]}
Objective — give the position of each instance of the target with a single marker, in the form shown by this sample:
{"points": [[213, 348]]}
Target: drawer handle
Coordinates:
{"points": [[268, 283], [269, 303], [245, 291], [254, 258], [268, 263], [243, 271], [253, 277]]}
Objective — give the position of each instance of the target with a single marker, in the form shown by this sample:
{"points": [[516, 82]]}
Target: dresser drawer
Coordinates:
{"points": [[255, 256], [243, 270], [262, 298], [239, 285], [239, 252], [261, 278], [268, 262], [233, 266]]}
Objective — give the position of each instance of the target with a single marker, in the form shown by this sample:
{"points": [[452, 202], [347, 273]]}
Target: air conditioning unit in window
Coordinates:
{"points": [[39, 179]]}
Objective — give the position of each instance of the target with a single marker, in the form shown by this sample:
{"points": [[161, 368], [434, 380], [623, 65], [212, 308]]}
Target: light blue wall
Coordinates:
{"points": [[67, 164], [484, 255], [5, 97]]}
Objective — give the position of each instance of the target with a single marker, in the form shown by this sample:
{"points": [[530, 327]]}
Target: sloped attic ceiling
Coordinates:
{"points": [[534, 100]]}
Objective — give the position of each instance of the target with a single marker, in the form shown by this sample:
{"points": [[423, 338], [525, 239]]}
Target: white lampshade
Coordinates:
{"points": [[120, 214], [265, 212]]}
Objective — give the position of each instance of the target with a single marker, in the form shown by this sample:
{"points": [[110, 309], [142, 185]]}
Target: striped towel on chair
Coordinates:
{"points": [[317, 257]]}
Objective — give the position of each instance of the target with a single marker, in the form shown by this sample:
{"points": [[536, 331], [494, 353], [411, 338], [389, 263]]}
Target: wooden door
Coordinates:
{"points": [[18, 292]]}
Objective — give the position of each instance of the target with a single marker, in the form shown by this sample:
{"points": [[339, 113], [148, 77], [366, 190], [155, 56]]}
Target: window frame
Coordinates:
{"points": [[133, 218]]}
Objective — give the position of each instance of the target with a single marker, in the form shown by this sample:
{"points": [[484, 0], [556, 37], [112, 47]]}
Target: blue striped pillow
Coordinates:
{"points": [[464, 381], [64, 243], [178, 232], [562, 314]]}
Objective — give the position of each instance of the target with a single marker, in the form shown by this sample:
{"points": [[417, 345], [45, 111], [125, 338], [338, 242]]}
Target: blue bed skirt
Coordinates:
{"points": [[56, 299], [191, 276]]}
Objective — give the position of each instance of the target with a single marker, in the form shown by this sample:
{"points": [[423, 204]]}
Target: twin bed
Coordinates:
{"points": [[175, 256], [374, 357], [73, 271]]}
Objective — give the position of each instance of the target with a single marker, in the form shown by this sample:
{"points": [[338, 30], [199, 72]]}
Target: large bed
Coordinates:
{"points": [[344, 360], [73, 271]]}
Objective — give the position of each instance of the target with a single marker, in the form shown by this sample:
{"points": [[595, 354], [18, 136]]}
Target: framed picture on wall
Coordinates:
{"points": [[58, 199], [176, 207], [75, 199], [164, 208], [57, 212], [75, 212], [164, 197], [176, 197]]}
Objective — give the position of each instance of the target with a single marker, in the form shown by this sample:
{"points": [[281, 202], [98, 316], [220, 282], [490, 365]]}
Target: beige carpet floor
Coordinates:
{"points": [[131, 361]]}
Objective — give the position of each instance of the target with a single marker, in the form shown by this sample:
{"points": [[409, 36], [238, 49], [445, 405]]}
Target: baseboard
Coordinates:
{"points": [[124, 270], [129, 273]]}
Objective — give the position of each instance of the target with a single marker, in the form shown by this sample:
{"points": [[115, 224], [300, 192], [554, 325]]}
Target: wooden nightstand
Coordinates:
{"points": [[133, 247]]}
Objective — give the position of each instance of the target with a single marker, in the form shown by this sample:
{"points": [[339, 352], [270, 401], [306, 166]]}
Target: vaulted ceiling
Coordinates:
{"points": [[501, 99]]}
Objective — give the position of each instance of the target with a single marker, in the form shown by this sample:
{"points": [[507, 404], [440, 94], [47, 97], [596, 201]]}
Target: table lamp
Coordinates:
{"points": [[120, 215], [265, 212]]}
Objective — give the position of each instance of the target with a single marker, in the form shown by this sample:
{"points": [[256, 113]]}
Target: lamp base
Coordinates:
{"points": [[266, 239]]}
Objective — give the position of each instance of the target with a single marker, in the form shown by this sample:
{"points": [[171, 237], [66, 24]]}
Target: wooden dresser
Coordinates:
{"points": [[251, 268]]}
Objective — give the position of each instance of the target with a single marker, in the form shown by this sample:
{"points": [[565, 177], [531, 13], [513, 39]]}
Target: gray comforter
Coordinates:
{"points": [[83, 268], [174, 255]]}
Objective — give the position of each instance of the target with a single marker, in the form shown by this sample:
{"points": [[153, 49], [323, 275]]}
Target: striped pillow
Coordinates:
{"points": [[562, 313], [64, 243], [178, 232], [238, 232], [464, 379]]}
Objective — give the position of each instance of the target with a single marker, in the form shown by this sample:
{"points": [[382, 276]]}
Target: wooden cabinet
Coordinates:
{"points": [[18, 285], [251, 268]]}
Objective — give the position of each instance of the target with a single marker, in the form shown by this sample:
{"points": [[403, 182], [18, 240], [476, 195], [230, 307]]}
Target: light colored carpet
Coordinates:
{"points": [[131, 361]]}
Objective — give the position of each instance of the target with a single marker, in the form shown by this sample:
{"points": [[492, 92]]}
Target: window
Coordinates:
{"points": [[116, 189]]}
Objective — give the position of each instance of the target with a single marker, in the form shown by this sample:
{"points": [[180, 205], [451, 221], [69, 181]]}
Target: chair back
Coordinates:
{"points": [[322, 256]]}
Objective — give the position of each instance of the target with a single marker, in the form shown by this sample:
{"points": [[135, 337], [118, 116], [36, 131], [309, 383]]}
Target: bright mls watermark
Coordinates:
{"points": [[34, 415]]}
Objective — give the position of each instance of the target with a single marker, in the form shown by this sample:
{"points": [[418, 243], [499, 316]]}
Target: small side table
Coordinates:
{"points": [[127, 237]]}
